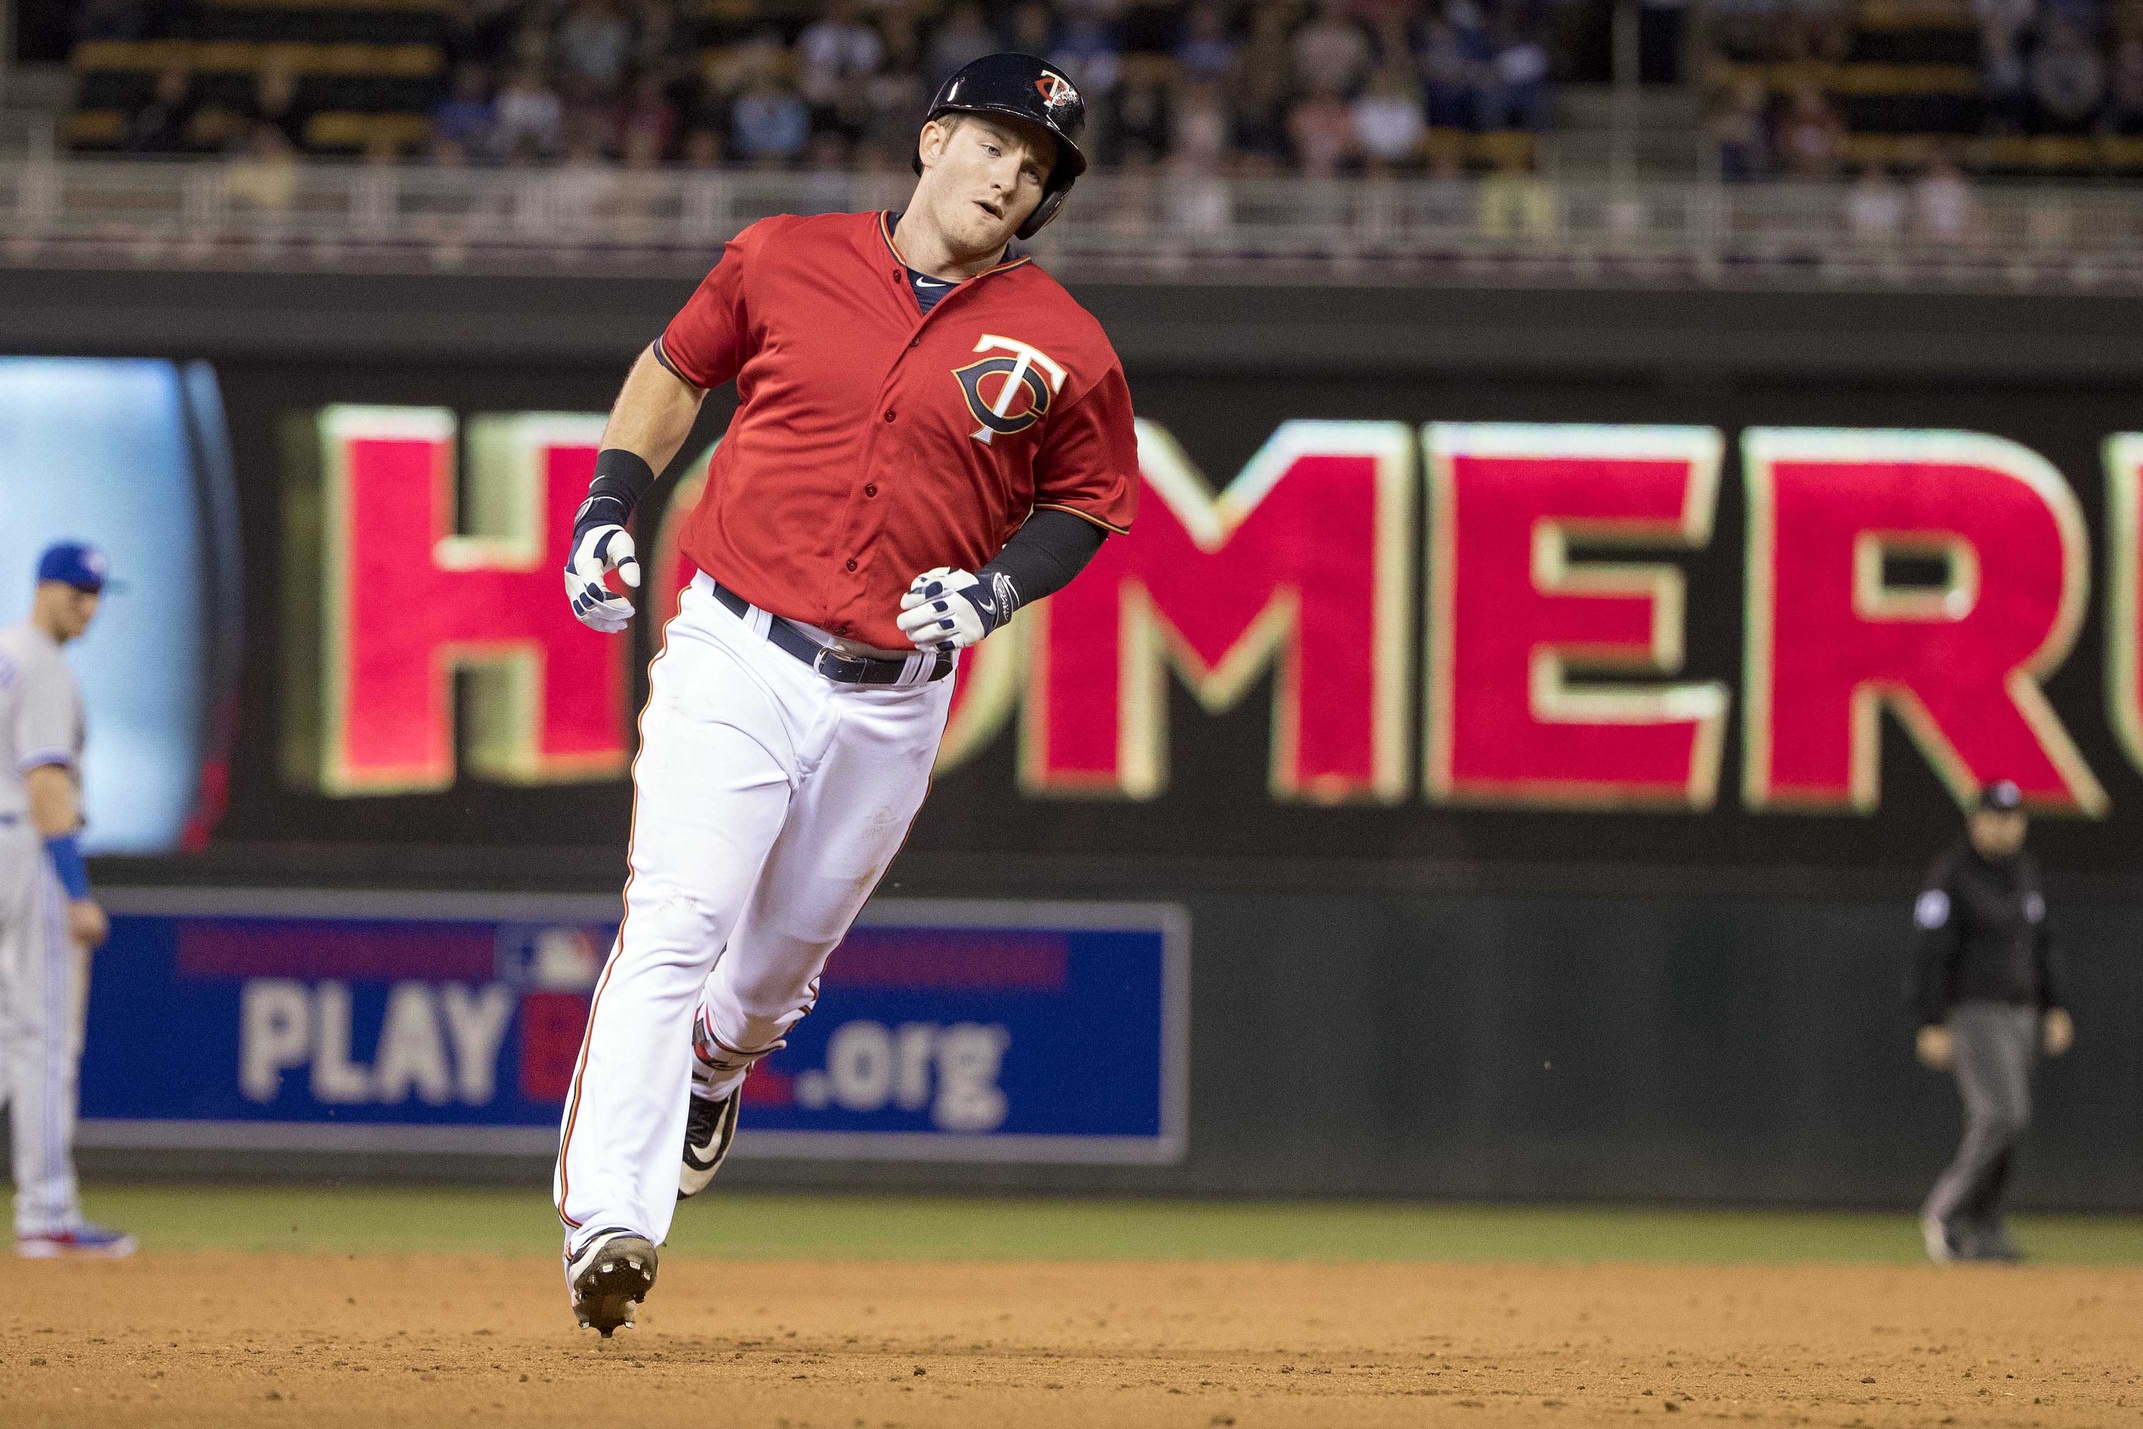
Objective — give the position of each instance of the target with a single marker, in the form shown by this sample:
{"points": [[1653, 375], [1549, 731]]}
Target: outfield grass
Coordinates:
{"points": [[761, 1226]]}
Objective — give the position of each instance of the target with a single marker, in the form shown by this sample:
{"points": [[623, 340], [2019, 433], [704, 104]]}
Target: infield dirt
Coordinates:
{"points": [[245, 1339]]}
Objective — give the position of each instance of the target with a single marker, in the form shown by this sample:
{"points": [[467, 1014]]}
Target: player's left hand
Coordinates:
{"points": [[2058, 1031], [601, 544], [947, 609]]}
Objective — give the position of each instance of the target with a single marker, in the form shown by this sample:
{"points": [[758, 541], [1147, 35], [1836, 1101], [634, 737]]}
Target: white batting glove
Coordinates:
{"points": [[948, 609], [600, 545]]}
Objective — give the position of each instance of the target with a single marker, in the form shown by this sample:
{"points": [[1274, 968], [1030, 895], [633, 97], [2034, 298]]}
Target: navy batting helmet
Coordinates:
{"points": [[1022, 87]]}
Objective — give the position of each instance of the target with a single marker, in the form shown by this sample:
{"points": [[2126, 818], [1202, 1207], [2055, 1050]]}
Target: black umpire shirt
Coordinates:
{"points": [[1983, 935]]}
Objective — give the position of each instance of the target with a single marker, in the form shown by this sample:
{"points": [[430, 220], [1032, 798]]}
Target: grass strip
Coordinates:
{"points": [[754, 1225]]}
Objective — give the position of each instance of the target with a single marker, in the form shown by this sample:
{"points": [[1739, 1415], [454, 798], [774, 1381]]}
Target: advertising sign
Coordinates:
{"points": [[945, 1031]]}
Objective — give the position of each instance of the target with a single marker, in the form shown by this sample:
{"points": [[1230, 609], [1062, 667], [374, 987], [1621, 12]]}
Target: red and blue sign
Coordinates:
{"points": [[945, 1030]]}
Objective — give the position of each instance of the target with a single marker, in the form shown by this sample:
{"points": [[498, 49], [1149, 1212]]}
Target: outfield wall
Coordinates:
{"points": [[1434, 950]]}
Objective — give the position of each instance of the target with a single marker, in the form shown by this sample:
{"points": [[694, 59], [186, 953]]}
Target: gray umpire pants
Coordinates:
{"points": [[1997, 1045]]}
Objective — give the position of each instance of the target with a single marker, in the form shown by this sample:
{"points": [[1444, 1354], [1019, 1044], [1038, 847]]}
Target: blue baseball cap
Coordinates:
{"points": [[75, 563]]}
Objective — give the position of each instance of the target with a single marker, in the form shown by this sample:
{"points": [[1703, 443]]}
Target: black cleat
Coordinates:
{"points": [[710, 1127], [609, 1279]]}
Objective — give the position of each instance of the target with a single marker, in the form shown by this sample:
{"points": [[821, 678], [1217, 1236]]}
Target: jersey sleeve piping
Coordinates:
{"points": [[39, 759], [670, 367], [1082, 515]]}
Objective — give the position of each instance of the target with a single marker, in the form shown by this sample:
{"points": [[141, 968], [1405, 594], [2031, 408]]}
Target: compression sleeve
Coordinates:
{"points": [[1044, 554]]}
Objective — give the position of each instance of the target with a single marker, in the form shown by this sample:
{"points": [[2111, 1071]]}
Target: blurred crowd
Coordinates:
{"points": [[1211, 86], [2045, 67]]}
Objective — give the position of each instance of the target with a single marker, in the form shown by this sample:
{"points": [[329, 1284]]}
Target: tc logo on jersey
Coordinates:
{"points": [[1026, 383]]}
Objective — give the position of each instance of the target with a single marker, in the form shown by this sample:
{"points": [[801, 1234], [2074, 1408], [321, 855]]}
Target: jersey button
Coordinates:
{"points": [[871, 490], [889, 414], [851, 565], [915, 342]]}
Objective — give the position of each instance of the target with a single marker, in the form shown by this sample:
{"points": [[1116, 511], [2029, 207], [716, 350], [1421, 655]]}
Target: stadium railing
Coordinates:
{"points": [[1125, 227]]}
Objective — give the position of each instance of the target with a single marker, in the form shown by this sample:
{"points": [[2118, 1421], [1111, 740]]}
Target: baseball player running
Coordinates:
{"points": [[929, 434], [48, 923]]}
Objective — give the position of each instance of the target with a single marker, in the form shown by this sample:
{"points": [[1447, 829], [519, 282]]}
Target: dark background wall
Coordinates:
{"points": [[1416, 1001]]}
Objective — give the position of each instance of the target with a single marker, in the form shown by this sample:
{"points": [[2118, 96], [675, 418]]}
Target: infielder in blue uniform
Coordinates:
{"points": [[49, 925]]}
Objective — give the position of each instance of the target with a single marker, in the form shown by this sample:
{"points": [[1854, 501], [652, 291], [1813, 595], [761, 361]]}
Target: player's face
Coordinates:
{"points": [[985, 178], [77, 609], [1997, 833]]}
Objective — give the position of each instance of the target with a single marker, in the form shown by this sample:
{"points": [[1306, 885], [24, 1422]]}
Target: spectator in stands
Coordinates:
{"points": [[1199, 144], [2004, 83], [1810, 134], [1331, 53], [1259, 92], [1034, 28], [1816, 30], [1875, 207], [266, 176], [1945, 210], [1207, 50], [646, 123], [1142, 120], [1087, 52], [2068, 80], [2006, 22], [2124, 106], [594, 46], [531, 118], [1321, 129], [275, 100], [769, 124], [1740, 133], [703, 148], [1447, 200], [836, 56], [1388, 119], [1451, 79], [962, 38], [1513, 202], [163, 125], [466, 118], [895, 94], [655, 41], [1517, 93]]}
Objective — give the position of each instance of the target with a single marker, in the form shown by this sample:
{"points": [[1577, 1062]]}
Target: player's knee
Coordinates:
{"points": [[674, 922], [2005, 1124]]}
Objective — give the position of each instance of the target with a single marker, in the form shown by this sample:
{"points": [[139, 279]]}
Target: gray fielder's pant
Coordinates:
{"points": [[43, 991], [1997, 1044]]}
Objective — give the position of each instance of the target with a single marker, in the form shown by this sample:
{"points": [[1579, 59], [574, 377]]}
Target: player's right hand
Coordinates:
{"points": [[1935, 1047], [601, 544], [87, 925]]}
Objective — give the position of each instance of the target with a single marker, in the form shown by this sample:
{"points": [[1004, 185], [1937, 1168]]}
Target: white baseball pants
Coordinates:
{"points": [[44, 994], [768, 802]]}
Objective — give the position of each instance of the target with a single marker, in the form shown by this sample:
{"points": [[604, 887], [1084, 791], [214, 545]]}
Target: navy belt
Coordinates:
{"points": [[827, 661]]}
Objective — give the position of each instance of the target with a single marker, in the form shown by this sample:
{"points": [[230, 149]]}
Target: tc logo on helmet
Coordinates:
{"points": [[1026, 383], [1056, 90]]}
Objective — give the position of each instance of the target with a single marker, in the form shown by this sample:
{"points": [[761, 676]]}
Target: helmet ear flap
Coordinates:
{"points": [[1043, 212]]}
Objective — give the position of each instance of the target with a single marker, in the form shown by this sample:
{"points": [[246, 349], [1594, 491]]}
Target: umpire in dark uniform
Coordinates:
{"points": [[1988, 991]]}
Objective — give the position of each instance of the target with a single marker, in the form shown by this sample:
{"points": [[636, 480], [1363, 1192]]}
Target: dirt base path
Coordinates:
{"points": [[215, 1339]]}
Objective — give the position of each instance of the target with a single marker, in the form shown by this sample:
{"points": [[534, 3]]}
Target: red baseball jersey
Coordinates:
{"points": [[872, 443]]}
